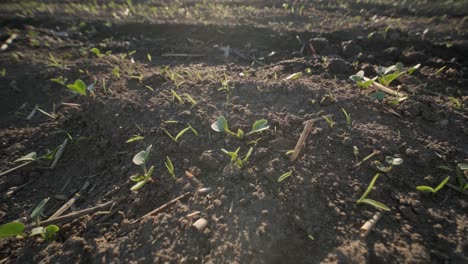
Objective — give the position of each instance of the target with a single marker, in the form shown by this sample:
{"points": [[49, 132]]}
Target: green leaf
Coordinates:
{"points": [[116, 72], [442, 184], [134, 138], [79, 86], [293, 76], [37, 231], [425, 189], [415, 67], [463, 166], [399, 66], [221, 125], [51, 154], [259, 126], [28, 157], [97, 52], [11, 229], [240, 133], [141, 157], [284, 176], [137, 178], [369, 188], [381, 167], [375, 204], [387, 79], [181, 133], [357, 77], [247, 156], [36, 213], [378, 95], [50, 232], [233, 155], [138, 186]]}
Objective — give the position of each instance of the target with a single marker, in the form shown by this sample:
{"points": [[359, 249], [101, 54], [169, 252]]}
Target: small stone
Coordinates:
{"points": [[264, 212]]}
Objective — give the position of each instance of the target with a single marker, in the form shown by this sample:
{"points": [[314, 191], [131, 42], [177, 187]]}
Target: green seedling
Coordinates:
{"points": [[47, 233], [3, 72], [98, 52], [32, 157], [170, 167], [38, 210], [390, 161], [221, 125], [135, 138], [11, 229], [391, 73], [424, 188], [79, 86], [148, 56], [149, 88], [60, 80], [356, 153], [455, 103], [181, 133], [365, 158], [175, 96], [140, 159], [329, 121], [56, 62], [371, 202], [190, 99], [116, 72], [462, 175], [440, 70], [284, 176], [348, 116], [235, 159], [360, 80], [293, 76]]}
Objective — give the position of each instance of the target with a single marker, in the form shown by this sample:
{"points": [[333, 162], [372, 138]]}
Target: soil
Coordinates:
{"points": [[311, 216]]}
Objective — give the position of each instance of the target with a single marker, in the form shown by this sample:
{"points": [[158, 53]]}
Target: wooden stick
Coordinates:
{"points": [[308, 126], [70, 202], [301, 141], [162, 207], [15, 168], [33, 112], [317, 119], [367, 227], [59, 153], [72, 216], [384, 89]]}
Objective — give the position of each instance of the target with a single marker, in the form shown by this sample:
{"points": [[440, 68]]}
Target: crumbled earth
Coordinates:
{"points": [[232, 58]]}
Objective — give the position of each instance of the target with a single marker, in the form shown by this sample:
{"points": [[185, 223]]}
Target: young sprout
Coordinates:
{"points": [[134, 138], [97, 52], [221, 125], [32, 157], [148, 56], [356, 153], [462, 174], [116, 72], [170, 167], [47, 233], [360, 81], [176, 96], [391, 161], [140, 159], [391, 73], [38, 210], [329, 121], [235, 157], [79, 86], [60, 80], [371, 202], [455, 103], [190, 99], [284, 176], [293, 76], [423, 188], [181, 133], [348, 117]]}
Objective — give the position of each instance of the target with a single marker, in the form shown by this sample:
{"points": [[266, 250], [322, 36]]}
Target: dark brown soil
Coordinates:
{"points": [[310, 217]]}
